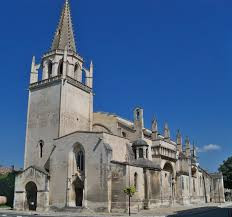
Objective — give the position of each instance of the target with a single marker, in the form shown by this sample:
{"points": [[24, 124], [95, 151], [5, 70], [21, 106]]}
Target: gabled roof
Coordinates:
{"points": [[64, 34], [39, 169]]}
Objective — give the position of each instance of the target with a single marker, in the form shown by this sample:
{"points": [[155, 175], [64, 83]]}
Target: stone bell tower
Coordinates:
{"points": [[62, 101]]}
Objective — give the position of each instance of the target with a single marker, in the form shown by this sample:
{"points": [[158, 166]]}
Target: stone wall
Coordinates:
{"points": [[97, 174], [42, 123], [41, 180]]}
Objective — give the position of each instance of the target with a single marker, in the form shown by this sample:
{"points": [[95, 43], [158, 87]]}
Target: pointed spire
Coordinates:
{"points": [[34, 71], [187, 143], [64, 34], [194, 150], [154, 129], [166, 131], [187, 147], [91, 67], [179, 141], [178, 138], [139, 122], [33, 64], [154, 125]]}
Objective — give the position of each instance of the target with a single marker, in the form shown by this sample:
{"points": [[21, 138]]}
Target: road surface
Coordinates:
{"points": [[211, 212]]}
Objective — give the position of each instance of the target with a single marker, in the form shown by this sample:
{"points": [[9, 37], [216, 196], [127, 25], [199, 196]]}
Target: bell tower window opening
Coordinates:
{"points": [[41, 145], [50, 69], [83, 78], [60, 69], [80, 160], [76, 68]]}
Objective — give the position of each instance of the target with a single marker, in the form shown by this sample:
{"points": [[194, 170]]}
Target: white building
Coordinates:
{"points": [[75, 157]]}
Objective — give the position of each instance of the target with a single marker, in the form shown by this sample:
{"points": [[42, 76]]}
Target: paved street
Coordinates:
{"points": [[213, 212], [196, 212]]}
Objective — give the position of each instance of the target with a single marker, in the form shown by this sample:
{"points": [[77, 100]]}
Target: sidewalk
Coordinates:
{"points": [[156, 212], [189, 209]]}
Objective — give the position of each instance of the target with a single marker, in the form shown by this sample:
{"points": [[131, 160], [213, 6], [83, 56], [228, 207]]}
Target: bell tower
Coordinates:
{"points": [[62, 101]]}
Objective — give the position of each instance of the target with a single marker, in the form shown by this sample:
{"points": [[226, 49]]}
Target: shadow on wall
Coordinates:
{"points": [[7, 183], [211, 211]]}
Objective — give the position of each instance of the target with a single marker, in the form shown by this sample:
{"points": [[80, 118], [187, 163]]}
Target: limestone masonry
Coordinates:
{"points": [[75, 157]]}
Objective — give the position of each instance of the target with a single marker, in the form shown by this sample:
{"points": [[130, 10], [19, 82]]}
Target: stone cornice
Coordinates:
{"points": [[78, 84], [61, 52], [46, 82], [55, 79]]}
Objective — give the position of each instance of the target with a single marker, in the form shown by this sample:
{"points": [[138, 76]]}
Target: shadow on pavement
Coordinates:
{"points": [[212, 211]]}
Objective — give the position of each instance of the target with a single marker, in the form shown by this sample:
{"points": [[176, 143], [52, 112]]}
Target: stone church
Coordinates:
{"points": [[75, 157]]}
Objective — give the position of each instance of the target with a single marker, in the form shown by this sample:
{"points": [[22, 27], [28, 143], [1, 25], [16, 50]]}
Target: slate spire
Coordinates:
{"points": [[64, 34]]}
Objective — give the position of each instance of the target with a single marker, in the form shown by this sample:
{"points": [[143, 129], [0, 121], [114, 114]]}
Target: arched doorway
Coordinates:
{"points": [[168, 182], [77, 164], [78, 186], [31, 194]]}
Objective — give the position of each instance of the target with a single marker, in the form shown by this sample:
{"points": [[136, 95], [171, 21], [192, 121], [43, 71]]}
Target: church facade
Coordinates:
{"points": [[75, 157]]}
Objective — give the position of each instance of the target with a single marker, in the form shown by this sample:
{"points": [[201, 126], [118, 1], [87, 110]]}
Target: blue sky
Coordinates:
{"points": [[172, 57]]}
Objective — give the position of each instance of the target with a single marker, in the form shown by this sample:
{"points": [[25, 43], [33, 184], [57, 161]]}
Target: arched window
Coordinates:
{"points": [[50, 69], [135, 153], [140, 153], [124, 134], [136, 181], [60, 68], [84, 78], [147, 153], [137, 114], [41, 145], [76, 69], [80, 160]]}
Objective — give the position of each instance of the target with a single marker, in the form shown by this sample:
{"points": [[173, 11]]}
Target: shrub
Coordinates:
{"points": [[7, 184]]}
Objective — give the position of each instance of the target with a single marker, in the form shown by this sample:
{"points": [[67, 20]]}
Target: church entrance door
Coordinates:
{"points": [[79, 190], [31, 194], [79, 196]]}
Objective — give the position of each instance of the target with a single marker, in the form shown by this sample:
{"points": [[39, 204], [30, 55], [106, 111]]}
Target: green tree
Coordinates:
{"points": [[7, 183], [226, 169], [130, 191]]}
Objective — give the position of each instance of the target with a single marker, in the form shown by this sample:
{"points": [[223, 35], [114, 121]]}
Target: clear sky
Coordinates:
{"points": [[172, 57]]}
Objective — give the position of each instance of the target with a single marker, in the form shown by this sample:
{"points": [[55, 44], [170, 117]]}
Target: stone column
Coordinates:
{"points": [[147, 188], [65, 62], [190, 179]]}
